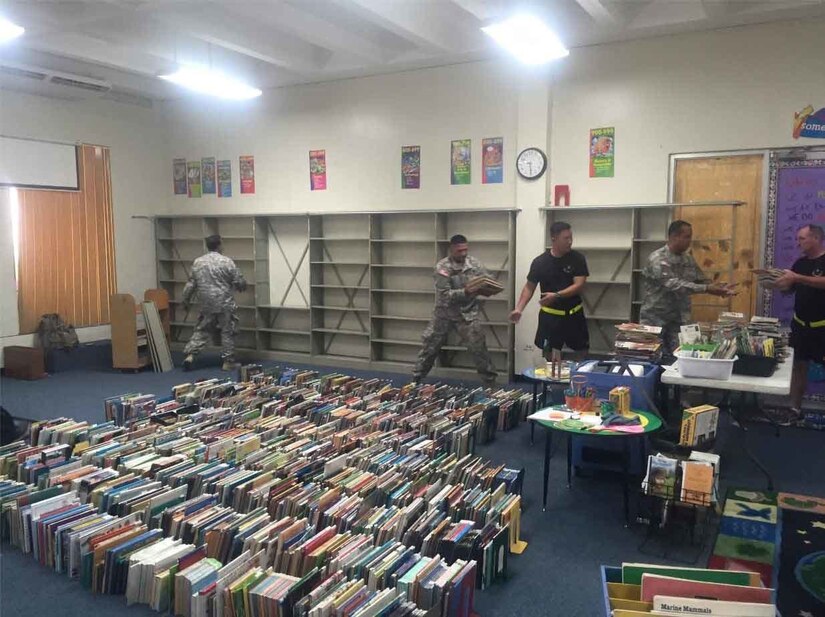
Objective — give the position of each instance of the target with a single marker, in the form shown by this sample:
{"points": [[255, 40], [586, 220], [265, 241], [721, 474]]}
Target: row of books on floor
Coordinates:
{"points": [[638, 589], [289, 564], [149, 477], [183, 512]]}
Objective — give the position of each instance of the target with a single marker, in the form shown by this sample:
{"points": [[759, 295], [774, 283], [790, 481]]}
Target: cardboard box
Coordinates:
{"points": [[23, 362]]}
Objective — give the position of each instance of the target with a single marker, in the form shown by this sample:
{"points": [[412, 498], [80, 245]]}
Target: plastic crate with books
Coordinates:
{"points": [[636, 589]]}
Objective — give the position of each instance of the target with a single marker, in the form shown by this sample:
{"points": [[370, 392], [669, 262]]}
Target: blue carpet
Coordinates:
{"points": [[558, 574]]}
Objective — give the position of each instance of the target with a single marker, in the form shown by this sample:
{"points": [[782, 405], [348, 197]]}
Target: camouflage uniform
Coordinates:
{"points": [[453, 309], [213, 278], [669, 281]]}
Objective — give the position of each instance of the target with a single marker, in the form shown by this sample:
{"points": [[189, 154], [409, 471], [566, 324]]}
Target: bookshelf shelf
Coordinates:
{"points": [[340, 331], [306, 269], [284, 331], [346, 309], [353, 239], [426, 292], [401, 318]]}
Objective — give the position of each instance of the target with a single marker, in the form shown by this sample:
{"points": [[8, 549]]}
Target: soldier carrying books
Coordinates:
{"points": [[459, 281], [671, 276]]}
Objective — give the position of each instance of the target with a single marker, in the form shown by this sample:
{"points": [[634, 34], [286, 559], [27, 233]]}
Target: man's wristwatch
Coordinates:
{"points": [[558, 295]]}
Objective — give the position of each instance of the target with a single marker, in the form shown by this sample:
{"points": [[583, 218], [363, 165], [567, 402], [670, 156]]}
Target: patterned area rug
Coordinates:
{"points": [[782, 537]]}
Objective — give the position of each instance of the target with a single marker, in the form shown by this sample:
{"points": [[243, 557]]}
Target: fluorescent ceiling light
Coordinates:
{"points": [[213, 83], [9, 30], [528, 38]]}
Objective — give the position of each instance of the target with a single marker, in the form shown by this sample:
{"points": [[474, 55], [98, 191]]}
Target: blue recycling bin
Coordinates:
{"points": [[592, 453]]}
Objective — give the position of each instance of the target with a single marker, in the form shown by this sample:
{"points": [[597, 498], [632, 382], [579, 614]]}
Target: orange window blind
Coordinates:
{"points": [[66, 244]]}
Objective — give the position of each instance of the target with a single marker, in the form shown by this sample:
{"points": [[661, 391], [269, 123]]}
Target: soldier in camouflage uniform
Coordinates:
{"points": [[670, 277], [456, 309], [213, 279]]}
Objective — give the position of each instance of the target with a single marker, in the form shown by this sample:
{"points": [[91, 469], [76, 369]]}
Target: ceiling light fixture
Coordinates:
{"points": [[9, 30], [213, 83], [528, 38]]}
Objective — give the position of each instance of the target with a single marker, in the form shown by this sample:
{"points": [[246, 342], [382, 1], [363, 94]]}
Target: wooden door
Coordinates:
{"points": [[723, 178]]}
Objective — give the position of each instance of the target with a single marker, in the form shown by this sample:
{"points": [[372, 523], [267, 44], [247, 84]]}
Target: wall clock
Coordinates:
{"points": [[531, 163]]}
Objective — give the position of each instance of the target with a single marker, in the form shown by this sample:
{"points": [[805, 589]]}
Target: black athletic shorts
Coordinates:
{"points": [[808, 343], [556, 331]]}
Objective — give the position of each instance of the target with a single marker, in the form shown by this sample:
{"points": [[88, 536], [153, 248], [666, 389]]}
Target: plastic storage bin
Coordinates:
{"points": [[757, 366], [603, 382], [599, 453], [705, 368]]}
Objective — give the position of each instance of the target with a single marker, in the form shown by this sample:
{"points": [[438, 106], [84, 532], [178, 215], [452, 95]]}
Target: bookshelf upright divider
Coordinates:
{"points": [[349, 289]]}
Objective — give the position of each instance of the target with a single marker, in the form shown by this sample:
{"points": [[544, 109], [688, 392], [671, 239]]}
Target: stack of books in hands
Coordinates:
{"points": [[638, 342], [484, 285], [767, 275]]}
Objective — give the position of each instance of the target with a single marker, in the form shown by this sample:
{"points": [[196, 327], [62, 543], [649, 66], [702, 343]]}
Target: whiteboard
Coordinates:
{"points": [[29, 163]]}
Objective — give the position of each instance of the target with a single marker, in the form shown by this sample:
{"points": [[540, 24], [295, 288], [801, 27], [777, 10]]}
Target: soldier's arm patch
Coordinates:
{"points": [[443, 272]]}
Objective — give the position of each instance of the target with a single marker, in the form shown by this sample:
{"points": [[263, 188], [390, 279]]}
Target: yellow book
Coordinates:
{"points": [[624, 591], [631, 605]]}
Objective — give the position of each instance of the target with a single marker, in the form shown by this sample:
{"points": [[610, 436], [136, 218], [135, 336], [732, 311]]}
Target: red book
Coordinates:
{"points": [[655, 585]]}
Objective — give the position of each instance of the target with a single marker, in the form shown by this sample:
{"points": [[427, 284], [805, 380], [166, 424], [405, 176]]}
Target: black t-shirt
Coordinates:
{"points": [[809, 304], [556, 273]]}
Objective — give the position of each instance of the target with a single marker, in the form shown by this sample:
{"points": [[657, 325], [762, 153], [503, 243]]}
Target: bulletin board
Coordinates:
{"points": [[796, 197]]}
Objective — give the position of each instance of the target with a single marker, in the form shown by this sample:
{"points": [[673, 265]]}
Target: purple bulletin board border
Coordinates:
{"points": [[776, 166]]}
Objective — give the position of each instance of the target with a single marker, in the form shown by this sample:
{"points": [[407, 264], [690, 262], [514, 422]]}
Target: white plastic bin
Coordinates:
{"points": [[706, 368]]}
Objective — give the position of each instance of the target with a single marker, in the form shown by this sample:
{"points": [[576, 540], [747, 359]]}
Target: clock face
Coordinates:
{"points": [[531, 163]]}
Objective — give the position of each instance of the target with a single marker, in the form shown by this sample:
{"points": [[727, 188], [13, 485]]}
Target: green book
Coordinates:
{"points": [[632, 574]]}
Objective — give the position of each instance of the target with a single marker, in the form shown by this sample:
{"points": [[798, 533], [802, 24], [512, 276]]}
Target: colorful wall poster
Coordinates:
{"points": [[806, 123], [492, 160], [247, 167], [317, 170], [179, 176], [225, 178], [460, 161], [193, 178], [602, 146], [411, 167], [208, 175]]}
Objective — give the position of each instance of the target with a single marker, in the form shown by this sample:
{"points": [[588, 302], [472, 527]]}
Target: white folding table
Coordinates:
{"points": [[779, 383]]}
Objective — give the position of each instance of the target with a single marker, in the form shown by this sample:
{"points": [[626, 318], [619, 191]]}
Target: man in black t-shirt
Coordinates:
{"points": [[806, 279], [560, 272]]}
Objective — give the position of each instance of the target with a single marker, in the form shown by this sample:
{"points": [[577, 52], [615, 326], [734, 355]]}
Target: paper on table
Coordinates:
{"points": [[550, 414]]}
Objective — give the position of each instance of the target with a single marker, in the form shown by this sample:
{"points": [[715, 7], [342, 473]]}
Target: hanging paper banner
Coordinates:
{"points": [[179, 176], [225, 178], [411, 167], [208, 175], [460, 161], [492, 160], [317, 170], [193, 178], [601, 152], [247, 167]]}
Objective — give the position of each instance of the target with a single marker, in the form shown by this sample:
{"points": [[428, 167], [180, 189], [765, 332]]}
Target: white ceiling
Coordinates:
{"points": [[126, 43]]}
